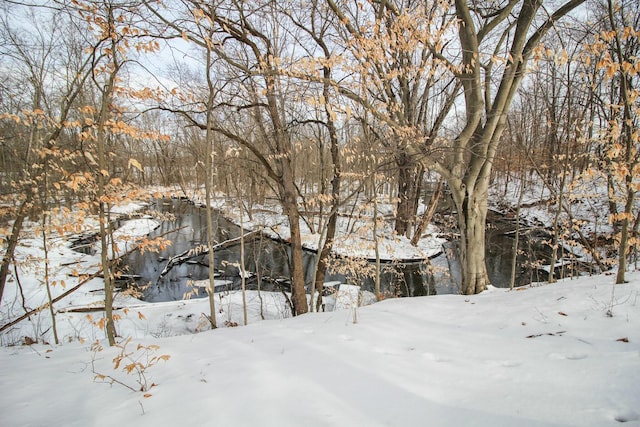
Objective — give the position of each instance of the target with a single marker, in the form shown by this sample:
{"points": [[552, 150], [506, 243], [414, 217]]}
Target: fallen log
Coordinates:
{"points": [[46, 305], [85, 309], [202, 250]]}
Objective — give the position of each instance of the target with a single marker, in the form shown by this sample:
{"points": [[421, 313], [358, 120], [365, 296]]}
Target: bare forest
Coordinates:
{"points": [[322, 106]]}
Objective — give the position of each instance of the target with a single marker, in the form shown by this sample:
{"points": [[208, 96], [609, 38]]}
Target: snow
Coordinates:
{"points": [[563, 354], [586, 197], [546, 355], [354, 237], [126, 235], [446, 360]]}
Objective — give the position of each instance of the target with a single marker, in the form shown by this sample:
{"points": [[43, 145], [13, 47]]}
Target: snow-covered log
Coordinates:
{"points": [[202, 250]]}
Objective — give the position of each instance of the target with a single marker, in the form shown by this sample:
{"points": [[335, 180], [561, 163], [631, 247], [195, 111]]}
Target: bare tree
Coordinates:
{"points": [[247, 41], [617, 49], [510, 32], [47, 111], [114, 25], [401, 83], [318, 25]]}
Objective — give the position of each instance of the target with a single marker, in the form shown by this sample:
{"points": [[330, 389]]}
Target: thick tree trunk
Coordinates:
{"points": [[409, 178], [298, 293], [472, 215]]}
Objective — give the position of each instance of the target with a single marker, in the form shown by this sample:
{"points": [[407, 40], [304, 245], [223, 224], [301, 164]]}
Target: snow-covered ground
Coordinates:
{"points": [[586, 198], [565, 354], [542, 356]]}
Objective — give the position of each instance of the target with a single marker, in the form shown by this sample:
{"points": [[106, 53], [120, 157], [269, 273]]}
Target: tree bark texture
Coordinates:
{"points": [[410, 175], [298, 293], [472, 215], [12, 241]]}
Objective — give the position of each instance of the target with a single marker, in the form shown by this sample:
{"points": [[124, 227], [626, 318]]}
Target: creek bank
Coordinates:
{"points": [[265, 258], [267, 254]]}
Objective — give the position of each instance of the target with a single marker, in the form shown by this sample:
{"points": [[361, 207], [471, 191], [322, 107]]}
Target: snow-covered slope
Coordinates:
{"points": [[542, 356]]}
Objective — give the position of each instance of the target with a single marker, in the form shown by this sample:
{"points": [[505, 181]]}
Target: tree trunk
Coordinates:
{"points": [[103, 218], [208, 188], [102, 180], [625, 234], [298, 294], [12, 241], [376, 242], [323, 254], [428, 213], [472, 215], [409, 177], [290, 206], [516, 240], [403, 207], [211, 288], [629, 138]]}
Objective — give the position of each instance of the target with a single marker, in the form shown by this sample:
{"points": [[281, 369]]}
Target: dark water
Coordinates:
{"points": [[268, 261], [498, 257], [190, 227], [533, 255]]}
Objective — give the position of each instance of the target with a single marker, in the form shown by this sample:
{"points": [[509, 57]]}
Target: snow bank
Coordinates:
{"points": [[543, 356]]}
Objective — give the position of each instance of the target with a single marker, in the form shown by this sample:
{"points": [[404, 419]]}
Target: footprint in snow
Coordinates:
{"points": [[626, 416], [510, 363], [435, 358], [573, 356], [504, 363]]}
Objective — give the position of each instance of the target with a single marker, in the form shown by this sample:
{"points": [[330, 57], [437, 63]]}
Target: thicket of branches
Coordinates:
{"points": [[312, 102]]}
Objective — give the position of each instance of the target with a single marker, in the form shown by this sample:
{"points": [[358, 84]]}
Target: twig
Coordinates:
{"points": [[108, 379], [559, 333], [15, 270]]}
